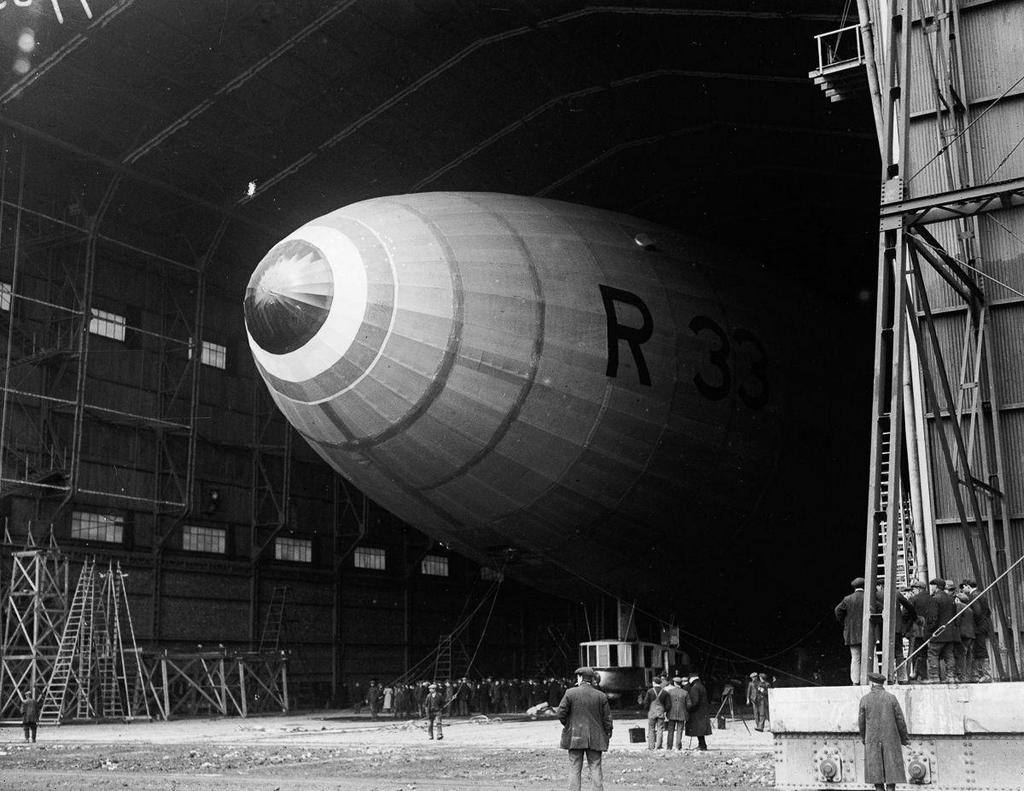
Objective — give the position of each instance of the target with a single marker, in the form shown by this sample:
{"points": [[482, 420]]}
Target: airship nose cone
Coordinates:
{"points": [[289, 296]]}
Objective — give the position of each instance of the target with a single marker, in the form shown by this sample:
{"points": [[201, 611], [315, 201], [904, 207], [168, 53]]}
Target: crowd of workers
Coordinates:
{"points": [[460, 697], [946, 628]]}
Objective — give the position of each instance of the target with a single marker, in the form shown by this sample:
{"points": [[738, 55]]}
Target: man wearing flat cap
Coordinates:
{"points": [[433, 705], [942, 632], [883, 730], [850, 613], [586, 721], [676, 713]]}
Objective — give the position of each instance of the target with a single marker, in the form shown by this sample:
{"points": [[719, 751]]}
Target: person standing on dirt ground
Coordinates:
{"points": [[434, 705], [654, 705], [676, 714], [698, 721], [374, 697], [586, 719], [30, 716]]}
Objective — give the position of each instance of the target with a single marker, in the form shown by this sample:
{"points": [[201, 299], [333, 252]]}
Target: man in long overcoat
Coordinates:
{"points": [[883, 730], [586, 721], [698, 707]]}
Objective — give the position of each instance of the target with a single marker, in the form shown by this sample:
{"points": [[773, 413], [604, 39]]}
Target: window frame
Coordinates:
{"points": [[295, 543]]}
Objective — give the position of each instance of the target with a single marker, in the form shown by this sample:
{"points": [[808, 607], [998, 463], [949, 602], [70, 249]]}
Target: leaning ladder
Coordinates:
{"points": [[271, 638], [77, 624]]}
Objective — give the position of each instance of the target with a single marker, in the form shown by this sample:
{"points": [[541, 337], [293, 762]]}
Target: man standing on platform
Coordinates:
{"points": [[883, 731], [586, 721], [982, 631], [943, 633], [849, 613]]}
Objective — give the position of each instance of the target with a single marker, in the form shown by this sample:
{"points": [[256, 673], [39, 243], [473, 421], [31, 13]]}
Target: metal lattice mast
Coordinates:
{"points": [[35, 608]]}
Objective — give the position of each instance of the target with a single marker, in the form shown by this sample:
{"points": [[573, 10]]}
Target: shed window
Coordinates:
{"points": [[204, 539], [434, 566], [88, 526], [298, 550], [6, 292], [107, 325], [370, 558]]}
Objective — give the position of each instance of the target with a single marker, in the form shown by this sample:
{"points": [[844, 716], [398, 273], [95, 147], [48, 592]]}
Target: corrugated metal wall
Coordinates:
{"points": [[991, 39]]}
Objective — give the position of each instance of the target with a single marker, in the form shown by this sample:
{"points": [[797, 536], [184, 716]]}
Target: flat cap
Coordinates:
{"points": [[857, 582], [937, 581], [876, 678], [753, 675], [918, 584], [586, 672], [676, 679]]}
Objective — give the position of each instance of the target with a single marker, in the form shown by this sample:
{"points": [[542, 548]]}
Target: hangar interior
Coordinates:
{"points": [[152, 153]]}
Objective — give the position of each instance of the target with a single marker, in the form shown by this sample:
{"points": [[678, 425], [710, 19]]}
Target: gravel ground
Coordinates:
{"points": [[320, 752]]}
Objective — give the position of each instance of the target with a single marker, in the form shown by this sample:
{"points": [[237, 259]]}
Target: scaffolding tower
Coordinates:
{"points": [[35, 607]]}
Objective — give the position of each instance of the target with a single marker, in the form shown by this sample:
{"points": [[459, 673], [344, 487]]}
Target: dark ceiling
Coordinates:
{"points": [[697, 115]]}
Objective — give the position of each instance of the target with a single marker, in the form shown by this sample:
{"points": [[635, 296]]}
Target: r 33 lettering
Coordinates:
{"points": [[715, 380]]}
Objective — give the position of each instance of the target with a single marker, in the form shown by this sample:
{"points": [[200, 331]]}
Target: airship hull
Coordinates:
{"points": [[526, 378]]}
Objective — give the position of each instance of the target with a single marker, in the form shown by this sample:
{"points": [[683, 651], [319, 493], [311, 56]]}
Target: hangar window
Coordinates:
{"points": [[435, 566], [203, 539], [88, 526], [215, 355], [5, 295], [212, 354], [370, 558], [107, 325], [299, 550]]}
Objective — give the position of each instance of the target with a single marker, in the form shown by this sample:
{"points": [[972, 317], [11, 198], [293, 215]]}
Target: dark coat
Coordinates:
{"points": [[850, 614], [966, 620], [982, 616], [883, 729], [698, 721], [586, 719], [30, 711], [434, 702], [940, 609]]}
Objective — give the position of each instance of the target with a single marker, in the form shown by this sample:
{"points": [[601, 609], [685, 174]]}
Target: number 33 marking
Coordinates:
{"points": [[718, 358]]}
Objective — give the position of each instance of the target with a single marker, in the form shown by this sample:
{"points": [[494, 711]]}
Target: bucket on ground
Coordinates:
{"points": [[637, 735]]}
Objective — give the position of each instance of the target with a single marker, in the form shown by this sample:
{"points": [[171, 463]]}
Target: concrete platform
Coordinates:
{"points": [[962, 736]]}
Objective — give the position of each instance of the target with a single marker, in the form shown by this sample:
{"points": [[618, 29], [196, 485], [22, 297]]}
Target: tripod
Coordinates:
{"points": [[727, 700]]}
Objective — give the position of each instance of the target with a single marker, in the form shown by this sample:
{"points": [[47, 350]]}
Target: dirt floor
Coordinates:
{"points": [[335, 750]]}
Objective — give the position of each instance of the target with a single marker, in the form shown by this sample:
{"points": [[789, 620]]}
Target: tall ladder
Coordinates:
{"points": [[271, 638], [113, 683], [76, 625]]}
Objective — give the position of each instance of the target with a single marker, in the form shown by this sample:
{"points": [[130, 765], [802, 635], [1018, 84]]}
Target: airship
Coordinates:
{"points": [[568, 393]]}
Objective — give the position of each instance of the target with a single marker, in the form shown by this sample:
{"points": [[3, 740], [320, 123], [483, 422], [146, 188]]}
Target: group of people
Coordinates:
{"points": [[946, 628], [460, 697], [675, 706]]}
